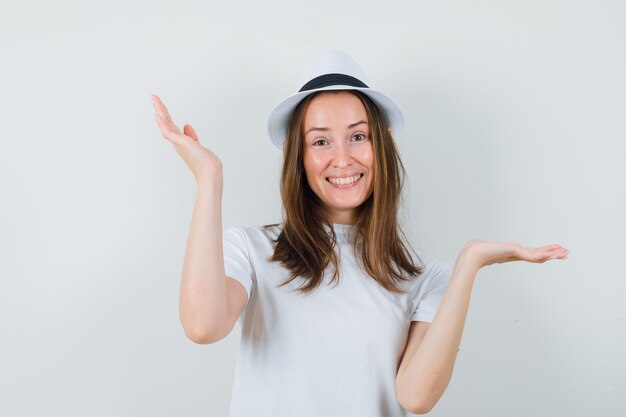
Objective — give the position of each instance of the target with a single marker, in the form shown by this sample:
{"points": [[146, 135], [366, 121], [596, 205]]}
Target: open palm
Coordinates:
{"points": [[202, 162], [487, 253]]}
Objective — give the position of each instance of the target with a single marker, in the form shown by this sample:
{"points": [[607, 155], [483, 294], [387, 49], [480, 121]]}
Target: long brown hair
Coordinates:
{"points": [[305, 248]]}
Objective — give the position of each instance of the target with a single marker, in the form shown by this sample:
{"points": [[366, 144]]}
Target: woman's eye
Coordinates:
{"points": [[318, 141], [359, 135]]}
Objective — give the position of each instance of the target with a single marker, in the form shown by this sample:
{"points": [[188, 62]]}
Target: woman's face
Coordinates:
{"points": [[338, 154]]}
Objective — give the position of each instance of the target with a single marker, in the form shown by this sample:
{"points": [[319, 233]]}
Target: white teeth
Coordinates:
{"points": [[342, 181]]}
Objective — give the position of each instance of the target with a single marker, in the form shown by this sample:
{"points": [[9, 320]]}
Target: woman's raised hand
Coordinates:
{"points": [[486, 253], [204, 164]]}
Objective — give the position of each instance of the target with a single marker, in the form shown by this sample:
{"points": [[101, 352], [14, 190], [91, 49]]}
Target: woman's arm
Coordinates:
{"points": [[204, 290], [424, 373], [203, 302]]}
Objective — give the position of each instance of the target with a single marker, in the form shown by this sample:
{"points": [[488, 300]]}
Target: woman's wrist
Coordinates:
{"points": [[469, 258], [212, 183]]}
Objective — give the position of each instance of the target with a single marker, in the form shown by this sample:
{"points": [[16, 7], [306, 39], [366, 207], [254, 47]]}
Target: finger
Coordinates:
{"points": [[168, 130], [167, 124], [155, 99], [165, 132], [161, 109], [557, 251], [188, 130], [549, 247], [539, 254], [552, 250]]}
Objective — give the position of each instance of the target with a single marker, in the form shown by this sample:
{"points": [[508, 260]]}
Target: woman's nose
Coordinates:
{"points": [[342, 155]]}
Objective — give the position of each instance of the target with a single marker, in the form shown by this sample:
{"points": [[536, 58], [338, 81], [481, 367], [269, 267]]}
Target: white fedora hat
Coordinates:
{"points": [[331, 70]]}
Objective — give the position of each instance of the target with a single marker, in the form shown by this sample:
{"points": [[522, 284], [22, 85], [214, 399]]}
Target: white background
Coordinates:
{"points": [[515, 129]]}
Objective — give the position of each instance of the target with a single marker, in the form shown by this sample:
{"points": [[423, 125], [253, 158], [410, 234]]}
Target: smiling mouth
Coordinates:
{"points": [[345, 180]]}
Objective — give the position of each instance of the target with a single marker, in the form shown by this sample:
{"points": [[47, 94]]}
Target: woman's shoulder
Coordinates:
{"points": [[429, 262]]}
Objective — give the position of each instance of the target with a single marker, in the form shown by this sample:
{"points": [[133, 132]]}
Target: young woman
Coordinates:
{"points": [[339, 315]]}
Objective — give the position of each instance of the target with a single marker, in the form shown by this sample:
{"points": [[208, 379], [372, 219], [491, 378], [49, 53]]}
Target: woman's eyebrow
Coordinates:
{"points": [[323, 129]]}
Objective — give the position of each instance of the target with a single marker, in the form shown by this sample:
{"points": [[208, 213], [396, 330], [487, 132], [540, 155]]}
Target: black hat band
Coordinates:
{"points": [[332, 79]]}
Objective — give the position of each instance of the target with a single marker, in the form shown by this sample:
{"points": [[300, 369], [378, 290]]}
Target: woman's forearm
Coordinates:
{"points": [[203, 300], [430, 369]]}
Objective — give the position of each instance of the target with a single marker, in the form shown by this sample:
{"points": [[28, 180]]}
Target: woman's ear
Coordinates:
{"points": [[389, 129]]}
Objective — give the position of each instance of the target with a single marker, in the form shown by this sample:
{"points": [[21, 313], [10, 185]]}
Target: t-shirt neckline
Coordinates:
{"points": [[343, 231], [341, 228]]}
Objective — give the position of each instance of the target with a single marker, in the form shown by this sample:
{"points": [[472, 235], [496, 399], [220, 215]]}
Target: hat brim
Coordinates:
{"points": [[279, 116]]}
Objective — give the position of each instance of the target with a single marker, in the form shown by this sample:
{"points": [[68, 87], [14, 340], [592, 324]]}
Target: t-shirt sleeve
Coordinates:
{"points": [[237, 262], [437, 277]]}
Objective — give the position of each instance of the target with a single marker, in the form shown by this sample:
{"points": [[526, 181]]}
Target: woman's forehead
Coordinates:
{"points": [[337, 109]]}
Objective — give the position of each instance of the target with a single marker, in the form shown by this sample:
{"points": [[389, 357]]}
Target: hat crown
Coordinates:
{"points": [[332, 61]]}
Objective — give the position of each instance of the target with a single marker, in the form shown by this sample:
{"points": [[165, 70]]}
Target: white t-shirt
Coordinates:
{"points": [[331, 353]]}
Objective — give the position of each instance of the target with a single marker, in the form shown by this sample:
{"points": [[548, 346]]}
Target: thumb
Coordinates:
{"points": [[188, 130]]}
